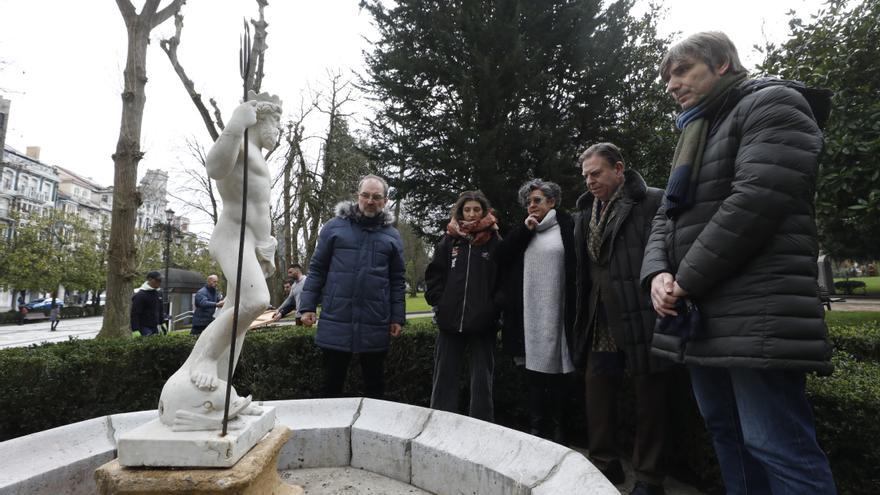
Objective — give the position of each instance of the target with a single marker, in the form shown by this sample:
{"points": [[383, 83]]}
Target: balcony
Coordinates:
{"points": [[34, 194]]}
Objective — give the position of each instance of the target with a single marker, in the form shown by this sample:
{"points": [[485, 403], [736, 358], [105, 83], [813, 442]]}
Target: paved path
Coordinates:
{"points": [[855, 304], [81, 328], [38, 332]]}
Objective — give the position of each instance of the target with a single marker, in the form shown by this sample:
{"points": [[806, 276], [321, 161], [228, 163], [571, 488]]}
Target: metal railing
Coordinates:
{"points": [[179, 318]]}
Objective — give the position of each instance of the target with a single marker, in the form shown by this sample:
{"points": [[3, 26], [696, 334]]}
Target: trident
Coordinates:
{"points": [[244, 67]]}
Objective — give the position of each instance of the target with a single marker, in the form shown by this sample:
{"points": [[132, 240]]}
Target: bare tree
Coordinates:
{"points": [[255, 76], [340, 163], [295, 181], [197, 191], [126, 199]]}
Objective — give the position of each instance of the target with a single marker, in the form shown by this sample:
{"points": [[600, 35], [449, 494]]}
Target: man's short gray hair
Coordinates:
{"points": [[376, 178], [713, 48], [550, 189]]}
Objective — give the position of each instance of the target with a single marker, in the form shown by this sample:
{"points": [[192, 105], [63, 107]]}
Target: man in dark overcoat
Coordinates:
{"points": [[615, 319]]}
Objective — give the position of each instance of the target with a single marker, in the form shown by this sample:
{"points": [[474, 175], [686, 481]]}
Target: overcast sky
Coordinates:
{"points": [[62, 66]]}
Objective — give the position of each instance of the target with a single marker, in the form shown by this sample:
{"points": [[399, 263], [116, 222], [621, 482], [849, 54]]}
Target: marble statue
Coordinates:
{"points": [[193, 398]]}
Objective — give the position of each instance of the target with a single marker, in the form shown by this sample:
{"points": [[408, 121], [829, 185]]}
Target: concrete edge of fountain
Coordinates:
{"points": [[436, 451]]}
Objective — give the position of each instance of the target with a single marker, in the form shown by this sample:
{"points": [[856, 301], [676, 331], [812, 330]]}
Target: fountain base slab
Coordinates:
{"points": [[156, 445], [255, 474]]}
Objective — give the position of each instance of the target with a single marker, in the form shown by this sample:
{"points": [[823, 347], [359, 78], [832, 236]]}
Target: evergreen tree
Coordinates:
{"points": [[485, 94], [839, 50]]}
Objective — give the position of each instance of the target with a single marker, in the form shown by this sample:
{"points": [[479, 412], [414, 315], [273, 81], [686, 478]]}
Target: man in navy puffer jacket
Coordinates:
{"points": [[357, 275]]}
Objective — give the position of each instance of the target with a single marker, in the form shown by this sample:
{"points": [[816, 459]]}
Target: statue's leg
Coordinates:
{"points": [[206, 362]]}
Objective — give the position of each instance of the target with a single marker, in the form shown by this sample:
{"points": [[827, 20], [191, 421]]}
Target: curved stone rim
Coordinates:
{"points": [[436, 451]]}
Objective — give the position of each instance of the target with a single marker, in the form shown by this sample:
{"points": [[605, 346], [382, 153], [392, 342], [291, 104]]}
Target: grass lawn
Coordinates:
{"points": [[416, 303], [872, 284], [852, 317]]}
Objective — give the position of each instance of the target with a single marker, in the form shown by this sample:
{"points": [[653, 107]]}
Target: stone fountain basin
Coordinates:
{"points": [[434, 451]]}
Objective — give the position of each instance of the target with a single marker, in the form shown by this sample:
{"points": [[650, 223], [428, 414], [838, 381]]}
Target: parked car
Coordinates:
{"points": [[43, 304]]}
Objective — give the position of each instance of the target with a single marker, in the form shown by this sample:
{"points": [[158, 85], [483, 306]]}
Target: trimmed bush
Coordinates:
{"points": [[56, 384], [849, 286], [859, 340], [846, 406]]}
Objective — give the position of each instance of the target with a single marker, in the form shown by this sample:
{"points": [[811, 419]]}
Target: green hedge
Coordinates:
{"points": [[847, 407], [859, 340], [55, 384]]}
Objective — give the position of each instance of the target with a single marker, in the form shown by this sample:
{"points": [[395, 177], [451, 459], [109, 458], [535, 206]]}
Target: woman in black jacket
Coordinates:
{"points": [[538, 263], [461, 284]]}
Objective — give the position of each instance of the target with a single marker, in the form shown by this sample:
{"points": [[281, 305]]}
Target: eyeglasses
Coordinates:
{"points": [[534, 201], [367, 196]]}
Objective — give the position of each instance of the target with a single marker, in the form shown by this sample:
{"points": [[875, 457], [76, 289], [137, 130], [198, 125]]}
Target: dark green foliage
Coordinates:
{"points": [[485, 94], [848, 287], [56, 384], [846, 406], [838, 318], [859, 340], [838, 49]]}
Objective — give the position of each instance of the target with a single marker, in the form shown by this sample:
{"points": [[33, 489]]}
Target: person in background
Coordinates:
{"points": [[54, 316], [461, 281], [296, 283], [146, 306], [208, 300], [537, 260], [22, 310]]}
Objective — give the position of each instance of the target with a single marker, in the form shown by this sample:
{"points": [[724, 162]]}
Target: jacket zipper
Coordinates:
{"points": [[467, 275]]}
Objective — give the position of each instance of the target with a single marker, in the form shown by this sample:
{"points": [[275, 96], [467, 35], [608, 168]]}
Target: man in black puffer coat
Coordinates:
{"points": [[731, 263], [615, 319], [146, 306]]}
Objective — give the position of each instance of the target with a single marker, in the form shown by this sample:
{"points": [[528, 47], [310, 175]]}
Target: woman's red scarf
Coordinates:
{"points": [[477, 232]]}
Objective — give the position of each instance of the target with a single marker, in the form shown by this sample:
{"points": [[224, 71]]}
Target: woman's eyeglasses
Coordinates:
{"points": [[534, 201]]}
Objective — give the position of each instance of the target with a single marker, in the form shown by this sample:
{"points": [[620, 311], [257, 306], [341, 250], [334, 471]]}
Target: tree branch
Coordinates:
{"points": [[169, 46], [258, 50], [167, 12], [217, 116]]}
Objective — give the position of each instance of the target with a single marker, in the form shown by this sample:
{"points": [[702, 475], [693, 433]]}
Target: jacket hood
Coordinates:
{"points": [[634, 188], [349, 210], [819, 99], [146, 286]]}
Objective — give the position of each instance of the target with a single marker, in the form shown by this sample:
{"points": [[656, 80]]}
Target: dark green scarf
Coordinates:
{"points": [[694, 123]]}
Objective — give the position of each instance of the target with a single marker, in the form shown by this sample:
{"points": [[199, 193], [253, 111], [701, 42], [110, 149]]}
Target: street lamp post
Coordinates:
{"points": [[169, 218]]}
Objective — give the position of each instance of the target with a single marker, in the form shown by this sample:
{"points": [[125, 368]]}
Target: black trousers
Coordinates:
{"points": [[548, 394], [449, 352], [336, 369], [604, 379]]}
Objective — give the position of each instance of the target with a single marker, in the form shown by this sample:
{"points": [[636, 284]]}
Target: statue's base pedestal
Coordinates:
{"points": [[155, 445], [255, 474]]}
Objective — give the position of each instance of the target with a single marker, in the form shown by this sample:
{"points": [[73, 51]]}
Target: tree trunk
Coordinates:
{"points": [[121, 269], [286, 185]]}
